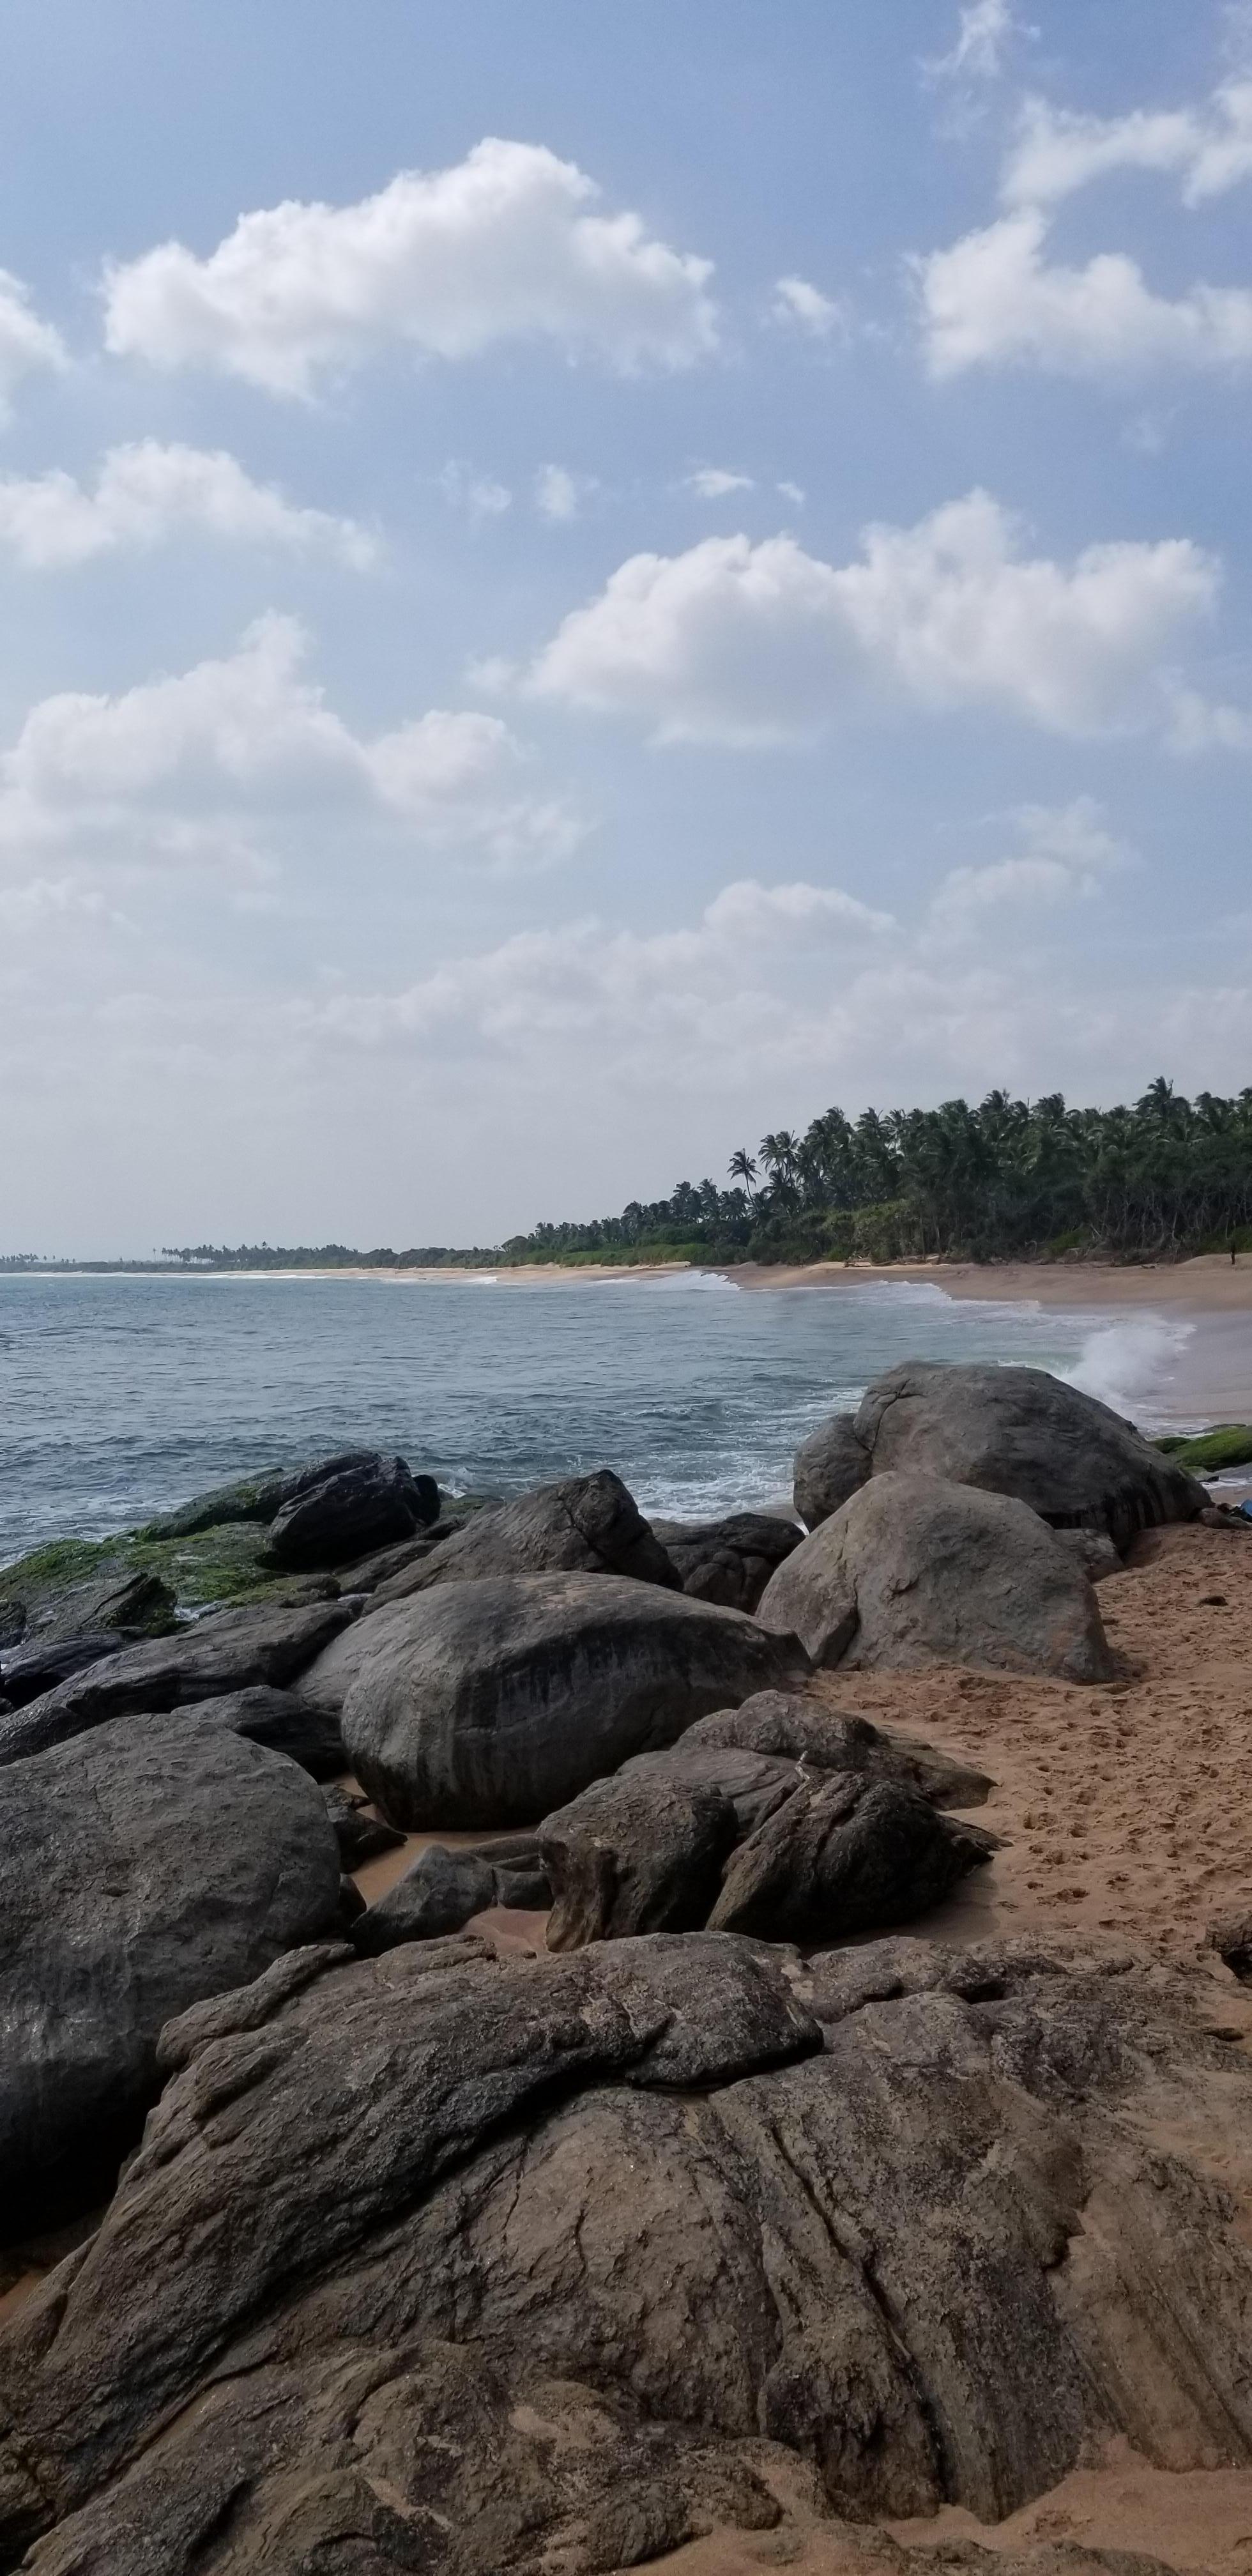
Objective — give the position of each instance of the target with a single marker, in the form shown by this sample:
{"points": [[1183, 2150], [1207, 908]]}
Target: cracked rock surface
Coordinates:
{"points": [[575, 2259]]}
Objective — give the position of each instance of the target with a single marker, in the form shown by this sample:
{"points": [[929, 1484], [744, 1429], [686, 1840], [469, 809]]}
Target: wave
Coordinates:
{"points": [[1128, 1363], [688, 1280]]}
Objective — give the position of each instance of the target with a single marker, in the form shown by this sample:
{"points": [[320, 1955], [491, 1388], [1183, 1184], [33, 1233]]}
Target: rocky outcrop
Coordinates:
{"points": [[158, 1861], [46, 1608], [491, 1703], [360, 1836], [846, 1855], [581, 2257], [1013, 1431], [828, 1469], [730, 1560], [716, 1834], [26, 1672], [827, 1739], [585, 1525], [915, 1571], [231, 1650], [286, 1724], [347, 1506]]}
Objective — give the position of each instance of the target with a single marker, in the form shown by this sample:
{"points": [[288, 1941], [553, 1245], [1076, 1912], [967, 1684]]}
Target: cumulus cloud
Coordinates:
{"points": [[1057, 152], [479, 495], [797, 302], [507, 245], [1066, 856], [145, 494], [714, 482], [1204, 724], [559, 495], [748, 644], [221, 758], [26, 343], [994, 299]]}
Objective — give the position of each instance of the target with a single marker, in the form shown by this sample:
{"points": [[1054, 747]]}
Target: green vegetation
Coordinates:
{"points": [[1010, 1180], [213, 1566], [1229, 1444]]}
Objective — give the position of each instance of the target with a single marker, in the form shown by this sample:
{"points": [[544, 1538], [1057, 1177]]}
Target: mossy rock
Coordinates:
{"points": [[1229, 1444], [204, 1571]]}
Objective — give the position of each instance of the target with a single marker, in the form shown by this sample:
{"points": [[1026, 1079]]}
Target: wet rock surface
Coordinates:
{"points": [[229, 1651], [584, 1525], [346, 1506], [157, 1861], [584, 2256], [914, 1570]]}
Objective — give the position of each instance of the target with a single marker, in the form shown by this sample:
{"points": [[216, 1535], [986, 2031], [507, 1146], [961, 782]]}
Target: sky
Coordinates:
{"points": [[582, 584]]}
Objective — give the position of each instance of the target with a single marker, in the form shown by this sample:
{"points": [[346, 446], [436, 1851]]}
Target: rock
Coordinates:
{"points": [[350, 1505], [1093, 1550], [845, 1855], [1231, 1937], [439, 1894], [286, 1724], [156, 1862], [827, 1739], [351, 1904], [360, 1837], [730, 1560], [134, 1603], [230, 1650], [250, 1498], [914, 1571], [26, 1672], [640, 1853], [1013, 1431], [585, 2255], [367, 1573], [491, 1703], [585, 1525], [828, 1469]]}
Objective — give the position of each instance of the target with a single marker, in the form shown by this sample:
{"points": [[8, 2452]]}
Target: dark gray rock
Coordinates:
{"points": [[360, 1837], [1013, 1431], [491, 1703], [286, 1724], [26, 1672], [829, 1468], [577, 2254], [367, 1573], [230, 1650], [250, 1498], [156, 1862], [117, 1598], [438, 1895], [846, 1855], [827, 1739], [730, 1560], [352, 1505], [915, 1571], [1093, 1550], [1231, 1937], [584, 1525], [639, 1853]]}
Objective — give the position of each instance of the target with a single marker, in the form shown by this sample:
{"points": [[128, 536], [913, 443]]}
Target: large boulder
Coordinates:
{"points": [[230, 1650], [286, 1724], [156, 1862], [584, 1525], [26, 1672], [730, 1560], [347, 1507], [492, 1702], [437, 2262], [845, 1855], [1015, 1431], [829, 1739], [640, 1853], [916, 1571]]}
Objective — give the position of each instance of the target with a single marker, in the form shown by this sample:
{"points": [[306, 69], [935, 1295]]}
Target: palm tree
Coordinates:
{"points": [[742, 1167]]}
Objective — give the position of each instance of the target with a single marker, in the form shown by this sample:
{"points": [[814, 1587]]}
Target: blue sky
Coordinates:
{"points": [[578, 585]]}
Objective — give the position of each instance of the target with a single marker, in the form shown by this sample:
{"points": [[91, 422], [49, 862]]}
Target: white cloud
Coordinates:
{"points": [[504, 246], [820, 315], [479, 495], [793, 492], [1201, 724], [1057, 151], [222, 759], [714, 483], [1066, 856], [745, 645], [984, 32], [994, 300], [560, 495], [147, 493], [26, 343]]}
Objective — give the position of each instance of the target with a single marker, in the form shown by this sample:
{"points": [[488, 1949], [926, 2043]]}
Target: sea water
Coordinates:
{"points": [[120, 1397]]}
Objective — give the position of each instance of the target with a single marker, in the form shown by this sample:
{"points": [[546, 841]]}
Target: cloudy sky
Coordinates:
{"points": [[579, 584]]}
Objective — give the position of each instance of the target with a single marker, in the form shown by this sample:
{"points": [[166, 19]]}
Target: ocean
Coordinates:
{"points": [[120, 1397]]}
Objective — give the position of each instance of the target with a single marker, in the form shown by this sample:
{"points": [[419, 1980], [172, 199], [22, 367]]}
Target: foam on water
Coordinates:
{"points": [[1128, 1364]]}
